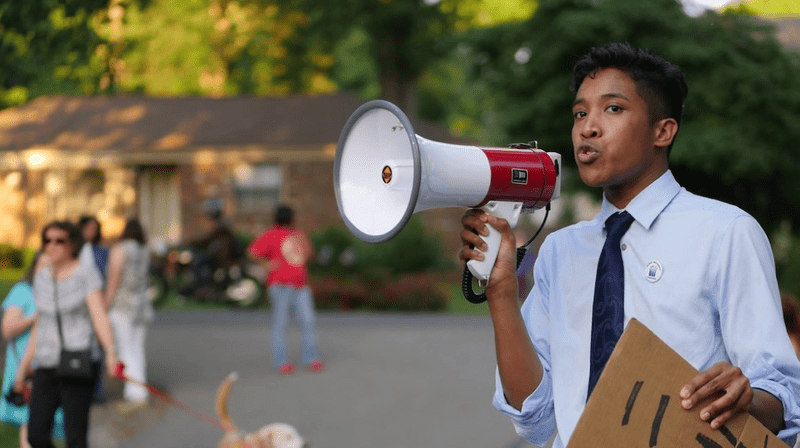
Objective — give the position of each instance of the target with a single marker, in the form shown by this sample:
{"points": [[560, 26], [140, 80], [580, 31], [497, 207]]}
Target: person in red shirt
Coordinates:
{"points": [[283, 251]]}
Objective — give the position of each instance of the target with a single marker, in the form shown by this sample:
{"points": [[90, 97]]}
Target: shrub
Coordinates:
{"points": [[331, 293], [351, 274], [408, 292], [335, 252], [10, 257], [414, 249], [241, 241]]}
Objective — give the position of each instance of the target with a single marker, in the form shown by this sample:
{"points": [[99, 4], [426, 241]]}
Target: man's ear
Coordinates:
{"points": [[664, 132]]}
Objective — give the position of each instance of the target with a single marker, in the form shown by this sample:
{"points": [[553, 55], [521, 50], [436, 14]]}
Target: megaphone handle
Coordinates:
{"points": [[483, 268], [466, 280]]}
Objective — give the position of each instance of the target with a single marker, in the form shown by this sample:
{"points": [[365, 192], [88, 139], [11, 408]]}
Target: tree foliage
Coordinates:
{"points": [[46, 46], [213, 48], [738, 136], [395, 41], [399, 36], [231, 47]]}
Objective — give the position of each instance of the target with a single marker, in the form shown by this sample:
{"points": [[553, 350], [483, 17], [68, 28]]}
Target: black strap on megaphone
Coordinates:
{"points": [[467, 277]]}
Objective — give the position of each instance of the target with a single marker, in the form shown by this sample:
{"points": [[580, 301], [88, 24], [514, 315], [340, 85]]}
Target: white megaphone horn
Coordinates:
{"points": [[383, 173]]}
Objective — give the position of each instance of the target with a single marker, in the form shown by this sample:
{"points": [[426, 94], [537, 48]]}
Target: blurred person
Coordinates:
{"points": [[699, 273], [130, 311], [93, 248], [94, 253], [283, 252], [19, 315], [219, 241], [218, 247], [70, 291]]}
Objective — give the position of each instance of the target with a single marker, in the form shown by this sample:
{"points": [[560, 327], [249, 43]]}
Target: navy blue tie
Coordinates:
{"points": [[608, 311]]}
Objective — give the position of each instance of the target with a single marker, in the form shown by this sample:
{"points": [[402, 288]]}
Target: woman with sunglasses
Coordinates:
{"points": [[77, 292]]}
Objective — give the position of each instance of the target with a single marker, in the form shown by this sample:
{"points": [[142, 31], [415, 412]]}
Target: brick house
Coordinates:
{"points": [[160, 159]]}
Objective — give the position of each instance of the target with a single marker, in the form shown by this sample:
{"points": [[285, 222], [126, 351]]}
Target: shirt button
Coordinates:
{"points": [[624, 246]]}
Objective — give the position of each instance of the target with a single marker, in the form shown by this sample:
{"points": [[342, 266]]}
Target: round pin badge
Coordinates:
{"points": [[653, 271]]}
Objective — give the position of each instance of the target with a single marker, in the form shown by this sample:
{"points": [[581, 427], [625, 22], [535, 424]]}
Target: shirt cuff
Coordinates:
{"points": [[766, 377], [535, 422]]}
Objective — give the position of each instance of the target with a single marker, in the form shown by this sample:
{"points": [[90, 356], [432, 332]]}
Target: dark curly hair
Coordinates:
{"points": [[659, 82], [284, 215]]}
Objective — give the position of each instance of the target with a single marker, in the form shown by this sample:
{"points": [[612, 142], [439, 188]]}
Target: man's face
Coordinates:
{"points": [[612, 136]]}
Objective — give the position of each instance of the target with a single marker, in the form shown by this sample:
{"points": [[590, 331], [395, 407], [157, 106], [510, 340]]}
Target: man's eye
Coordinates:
{"points": [[614, 108], [579, 114]]}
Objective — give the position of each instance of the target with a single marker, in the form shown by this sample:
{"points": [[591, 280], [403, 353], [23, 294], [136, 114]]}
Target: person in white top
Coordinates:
{"points": [[130, 310], [698, 272]]}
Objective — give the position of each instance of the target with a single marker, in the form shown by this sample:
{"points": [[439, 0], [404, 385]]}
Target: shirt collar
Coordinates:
{"points": [[649, 203]]}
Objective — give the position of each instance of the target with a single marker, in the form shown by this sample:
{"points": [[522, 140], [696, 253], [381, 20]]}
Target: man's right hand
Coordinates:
{"points": [[503, 284]]}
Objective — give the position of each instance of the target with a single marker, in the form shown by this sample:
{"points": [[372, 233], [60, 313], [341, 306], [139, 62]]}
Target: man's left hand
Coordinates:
{"points": [[725, 381]]}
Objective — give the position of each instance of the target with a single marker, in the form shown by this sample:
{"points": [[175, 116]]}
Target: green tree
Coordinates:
{"points": [[47, 46], [400, 36], [737, 140], [212, 47], [384, 46]]}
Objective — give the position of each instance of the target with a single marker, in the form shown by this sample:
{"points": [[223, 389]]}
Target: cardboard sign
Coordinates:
{"points": [[636, 404]]}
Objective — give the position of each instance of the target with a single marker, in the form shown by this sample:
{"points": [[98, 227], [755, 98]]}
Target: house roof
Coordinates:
{"points": [[142, 130]]}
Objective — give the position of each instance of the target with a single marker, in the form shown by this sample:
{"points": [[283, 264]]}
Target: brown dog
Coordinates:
{"points": [[275, 435]]}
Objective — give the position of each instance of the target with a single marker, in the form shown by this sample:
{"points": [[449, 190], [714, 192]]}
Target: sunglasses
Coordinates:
{"points": [[47, 241]]}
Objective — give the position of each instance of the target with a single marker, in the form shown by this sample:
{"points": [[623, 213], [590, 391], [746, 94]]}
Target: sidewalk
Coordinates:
{"points": [[391, 381], [109, 428]]}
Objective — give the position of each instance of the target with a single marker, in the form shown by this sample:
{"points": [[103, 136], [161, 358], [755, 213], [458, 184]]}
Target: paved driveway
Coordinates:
{"points": [[392, 381]]}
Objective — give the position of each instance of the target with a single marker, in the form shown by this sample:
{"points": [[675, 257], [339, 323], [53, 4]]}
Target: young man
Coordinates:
{"points": [[699, 273], [283, 251]]}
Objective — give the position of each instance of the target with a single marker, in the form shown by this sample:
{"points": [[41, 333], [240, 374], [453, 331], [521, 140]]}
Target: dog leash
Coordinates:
{"points": [[120, 373]]}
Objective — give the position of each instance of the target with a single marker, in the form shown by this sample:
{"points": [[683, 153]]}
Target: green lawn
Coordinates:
{"points": [[459, 305], [9, 437], [8, 277]]}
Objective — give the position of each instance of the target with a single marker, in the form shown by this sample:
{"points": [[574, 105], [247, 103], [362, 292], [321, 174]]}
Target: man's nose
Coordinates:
{"points": [[590, 128]]}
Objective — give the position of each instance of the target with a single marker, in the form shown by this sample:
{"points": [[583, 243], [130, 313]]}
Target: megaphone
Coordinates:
{"points": [[383, 173]]}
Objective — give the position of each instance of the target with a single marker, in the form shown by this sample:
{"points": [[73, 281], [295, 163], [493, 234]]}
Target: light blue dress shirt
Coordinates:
{"points": [[699, 273]]}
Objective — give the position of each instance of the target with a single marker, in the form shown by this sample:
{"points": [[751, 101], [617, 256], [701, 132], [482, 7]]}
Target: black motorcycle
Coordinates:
{"points": [[194, 276]]}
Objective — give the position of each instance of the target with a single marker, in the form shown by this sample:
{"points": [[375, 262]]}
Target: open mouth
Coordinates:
{"points": [[586, 154]]}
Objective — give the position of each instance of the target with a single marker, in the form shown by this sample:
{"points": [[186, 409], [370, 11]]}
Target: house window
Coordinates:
{"points": [[257, 187]]}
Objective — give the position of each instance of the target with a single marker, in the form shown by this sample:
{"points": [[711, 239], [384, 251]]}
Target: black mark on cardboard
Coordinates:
{"points": [[662, 407], [631, 401], [705, 442], [728, 434]]}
